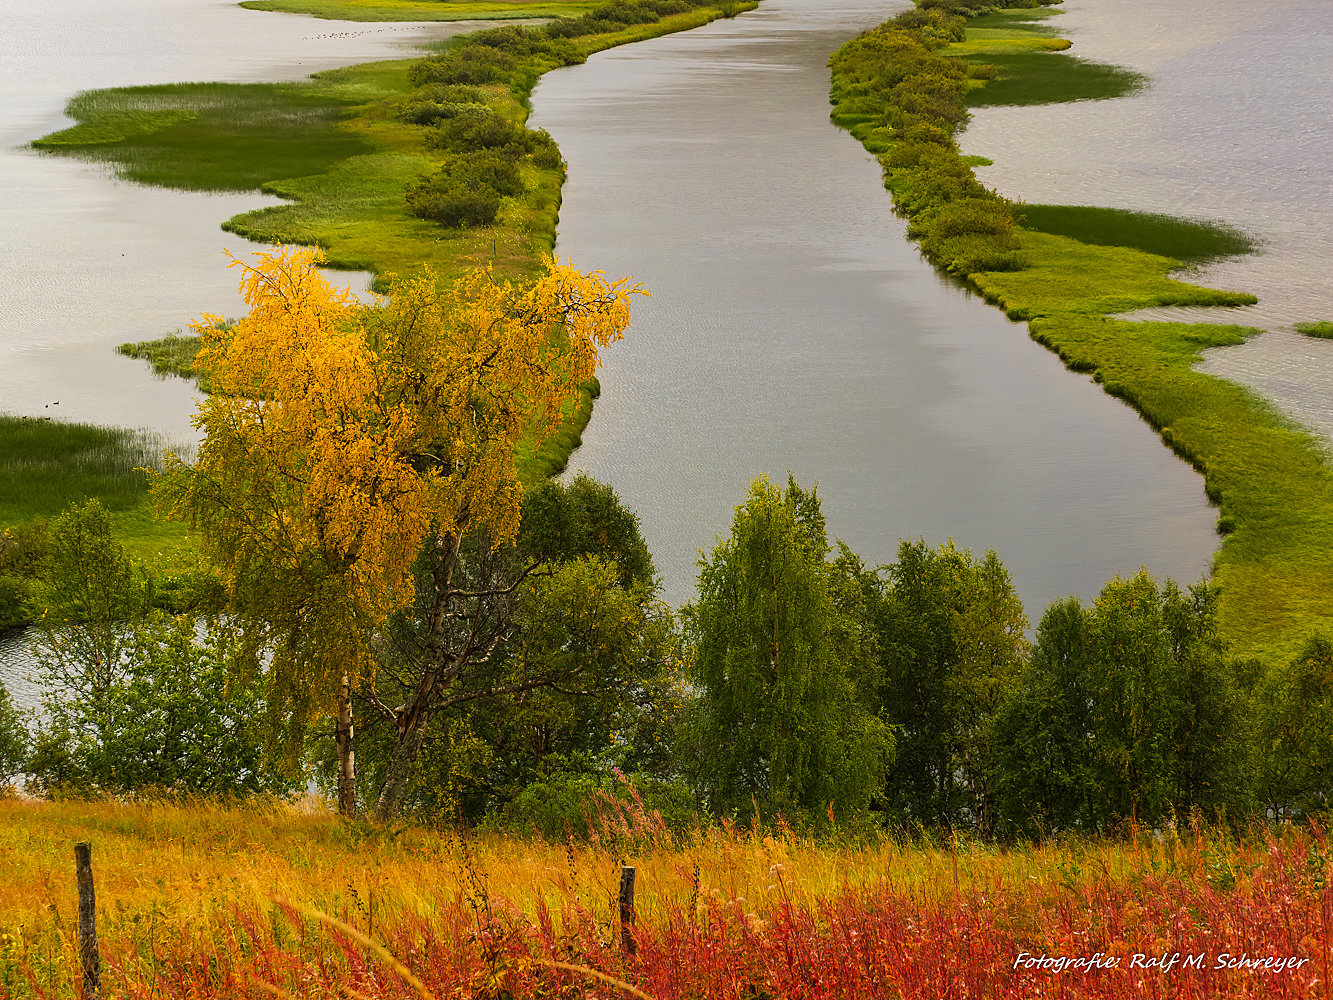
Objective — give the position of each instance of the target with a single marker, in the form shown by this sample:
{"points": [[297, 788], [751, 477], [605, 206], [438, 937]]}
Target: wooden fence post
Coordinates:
{"points": [[92, 963], [627, 909]]}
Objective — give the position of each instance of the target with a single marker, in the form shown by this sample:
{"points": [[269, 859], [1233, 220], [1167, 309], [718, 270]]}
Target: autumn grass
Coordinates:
{"points": [[425, 10], [206, 900]]}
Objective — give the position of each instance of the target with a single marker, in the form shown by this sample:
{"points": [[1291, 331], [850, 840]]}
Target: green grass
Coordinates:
{"points": [[211, 136], [45, 466], [1323, 328], [173, 354], [337, 150], [1191, 241], [1041, 77], [1030, 67], [425, 10]]}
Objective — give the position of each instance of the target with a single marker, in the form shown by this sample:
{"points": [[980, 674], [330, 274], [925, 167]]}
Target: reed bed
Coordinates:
{"points": [[206, 900]]}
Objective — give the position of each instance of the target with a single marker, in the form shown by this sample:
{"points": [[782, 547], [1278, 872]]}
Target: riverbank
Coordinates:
{"points": [[1269, 479]]}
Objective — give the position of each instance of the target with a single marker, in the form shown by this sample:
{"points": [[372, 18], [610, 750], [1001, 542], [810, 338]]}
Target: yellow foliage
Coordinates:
{"points": [[340, 437]]}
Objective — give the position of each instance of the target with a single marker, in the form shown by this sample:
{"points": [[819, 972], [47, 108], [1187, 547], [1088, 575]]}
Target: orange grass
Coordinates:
{"points": [[201, 899]]}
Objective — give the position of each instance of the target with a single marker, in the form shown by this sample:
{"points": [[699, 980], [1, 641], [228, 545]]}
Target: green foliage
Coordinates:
{"points": [[778, 724], [171, 717], [1295, 739], [897, 92], [1191, 241], [581, 518], [453, 202], [14, 737], [1127, 710], [1321, 329], [951, 633], [15, 595]]}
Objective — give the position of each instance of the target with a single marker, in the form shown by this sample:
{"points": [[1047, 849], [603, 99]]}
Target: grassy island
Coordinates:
{"points": [[904, 90]]}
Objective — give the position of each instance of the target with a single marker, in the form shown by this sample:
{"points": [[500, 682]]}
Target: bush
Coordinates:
{"points": [[13, 739], [24, 549], [474, 126], [472, 64], [452, 202], [14, 595]]}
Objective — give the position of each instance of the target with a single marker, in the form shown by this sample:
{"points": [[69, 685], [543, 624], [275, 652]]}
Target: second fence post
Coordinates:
{"points": [[627, 909], [92, 963]]}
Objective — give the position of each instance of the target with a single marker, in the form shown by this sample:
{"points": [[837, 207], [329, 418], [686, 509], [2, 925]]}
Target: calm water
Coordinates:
{"points": [[1235, 126], [793, 328]]}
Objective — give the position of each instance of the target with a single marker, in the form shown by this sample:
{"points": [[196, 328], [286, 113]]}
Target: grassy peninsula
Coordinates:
{"points": [[904, 90]]}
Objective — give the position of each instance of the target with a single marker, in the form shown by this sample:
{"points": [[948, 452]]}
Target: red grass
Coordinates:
{"points": [[868, 941]]}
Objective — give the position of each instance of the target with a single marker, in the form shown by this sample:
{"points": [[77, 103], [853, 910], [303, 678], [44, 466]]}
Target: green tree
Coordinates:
{"points": [[778, 721], [172, 718], [1296, 734], [90, 589], [951, 636], [1127, 711], [13, 739]]}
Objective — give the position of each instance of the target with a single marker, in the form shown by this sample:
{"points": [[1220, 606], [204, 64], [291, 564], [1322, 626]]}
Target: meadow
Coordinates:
{"points": [[204, 900]]}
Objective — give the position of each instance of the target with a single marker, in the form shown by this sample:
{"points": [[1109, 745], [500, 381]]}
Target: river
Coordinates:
{"points": [[793, 327]]}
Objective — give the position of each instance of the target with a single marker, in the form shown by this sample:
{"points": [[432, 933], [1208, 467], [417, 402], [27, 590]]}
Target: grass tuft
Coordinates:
{"points": [[1324, 329], [1191, 241]]}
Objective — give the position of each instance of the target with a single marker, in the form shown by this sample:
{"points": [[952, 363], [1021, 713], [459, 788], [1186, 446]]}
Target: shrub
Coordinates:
{"points": [[474, 126], [14, 596], [452, 202]]}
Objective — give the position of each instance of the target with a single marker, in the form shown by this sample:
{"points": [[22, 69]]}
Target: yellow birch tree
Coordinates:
{"points": [[343, 441]]}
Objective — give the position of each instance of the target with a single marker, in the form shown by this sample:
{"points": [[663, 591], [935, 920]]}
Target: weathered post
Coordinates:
{"points": [[627, 909], [92, 963]]}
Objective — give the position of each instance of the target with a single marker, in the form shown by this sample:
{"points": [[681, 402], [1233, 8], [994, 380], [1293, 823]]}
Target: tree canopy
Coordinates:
{"points": [[341, 441]]}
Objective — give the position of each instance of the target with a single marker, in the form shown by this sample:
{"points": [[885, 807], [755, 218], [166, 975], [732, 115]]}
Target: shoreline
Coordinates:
{"points": [[1273, 490]]}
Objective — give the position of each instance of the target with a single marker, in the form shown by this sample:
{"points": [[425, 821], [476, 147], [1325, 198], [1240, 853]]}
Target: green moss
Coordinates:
{"points": [[1323, 328], [1191, 241]]}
